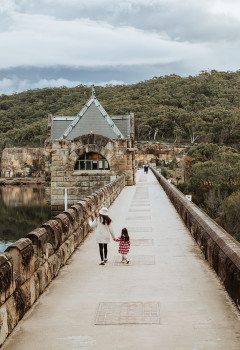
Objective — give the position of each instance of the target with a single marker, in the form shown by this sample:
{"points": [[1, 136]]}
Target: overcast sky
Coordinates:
{"points": [[48, 43]]}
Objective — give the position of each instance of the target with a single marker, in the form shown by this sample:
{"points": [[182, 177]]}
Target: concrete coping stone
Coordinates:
{"points": [[38, 237], [20, 244], [72, 215], [99, 195], [78, 210], [93, 202], [83, 205], [25, 248], [5, 257], [90, 204], [96, 198], [63, 220], [6, 273], [54, 232], [90, 198]]}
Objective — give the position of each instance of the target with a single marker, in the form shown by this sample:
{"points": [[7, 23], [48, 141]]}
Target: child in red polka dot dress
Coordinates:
{"points": [[124, 245]]}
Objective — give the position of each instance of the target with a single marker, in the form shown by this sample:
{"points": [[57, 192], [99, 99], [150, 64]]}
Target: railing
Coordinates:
{"points": [[29, 265], [220, 249]]}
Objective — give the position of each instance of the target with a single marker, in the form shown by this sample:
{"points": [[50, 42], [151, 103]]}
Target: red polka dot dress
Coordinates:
{"points": [[124, 246]]}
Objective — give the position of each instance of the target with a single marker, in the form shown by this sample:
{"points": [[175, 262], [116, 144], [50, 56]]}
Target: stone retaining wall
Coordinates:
{"points": [[29, 265], [220, 249], [22, 162], [155, 152]]}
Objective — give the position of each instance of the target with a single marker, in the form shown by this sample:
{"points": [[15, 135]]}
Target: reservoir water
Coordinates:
{"points": [[22, 209]]}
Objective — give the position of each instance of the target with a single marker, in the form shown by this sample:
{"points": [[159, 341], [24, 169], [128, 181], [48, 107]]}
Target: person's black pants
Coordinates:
{"points": [[103, 247]]}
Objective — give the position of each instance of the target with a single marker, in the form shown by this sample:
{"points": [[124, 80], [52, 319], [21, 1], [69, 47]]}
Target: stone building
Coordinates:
{"points": [[87, 151]]}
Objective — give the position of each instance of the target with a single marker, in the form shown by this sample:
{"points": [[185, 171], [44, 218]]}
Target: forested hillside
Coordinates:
{"points": [[212, 176], [203, 108]]}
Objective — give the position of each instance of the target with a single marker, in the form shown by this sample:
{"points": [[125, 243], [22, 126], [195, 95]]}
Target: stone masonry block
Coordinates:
{"points": [[54, 232], [58, 191], [4, 331], [54, 264], [59, 179], [22, 254], [64, 223], [6, 277], [72, 216], [39, 238]]}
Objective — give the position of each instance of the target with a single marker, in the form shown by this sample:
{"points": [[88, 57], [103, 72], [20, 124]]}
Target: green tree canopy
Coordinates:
{"points": [[202, 108]]}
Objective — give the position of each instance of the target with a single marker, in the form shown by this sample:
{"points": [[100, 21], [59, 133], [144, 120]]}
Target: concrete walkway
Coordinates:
{"points": [[167, 285]]}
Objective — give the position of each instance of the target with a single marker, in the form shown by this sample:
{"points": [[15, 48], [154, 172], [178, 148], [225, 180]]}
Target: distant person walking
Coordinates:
{"points": [[146, 168], [103, 231], [124, 245]]}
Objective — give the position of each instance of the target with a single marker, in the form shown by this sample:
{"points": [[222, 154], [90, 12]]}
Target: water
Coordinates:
{"points": [[22, 209]]}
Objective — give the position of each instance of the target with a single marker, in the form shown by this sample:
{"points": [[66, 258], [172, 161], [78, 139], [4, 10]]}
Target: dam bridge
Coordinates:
{"points": [[179, 292]]}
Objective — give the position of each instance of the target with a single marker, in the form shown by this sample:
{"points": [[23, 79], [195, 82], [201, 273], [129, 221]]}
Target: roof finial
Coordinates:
{"points": [[93, 91]]}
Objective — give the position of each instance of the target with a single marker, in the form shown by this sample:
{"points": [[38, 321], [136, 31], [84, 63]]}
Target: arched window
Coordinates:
{"points": [[92, 161]]}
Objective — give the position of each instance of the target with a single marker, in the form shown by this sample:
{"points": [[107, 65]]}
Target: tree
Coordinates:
{"points": [[230, 218], [155, 134], [212, 175]]}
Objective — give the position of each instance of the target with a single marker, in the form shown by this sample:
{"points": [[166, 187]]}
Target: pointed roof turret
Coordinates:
{"points": [[93, 91], [92, 118]]}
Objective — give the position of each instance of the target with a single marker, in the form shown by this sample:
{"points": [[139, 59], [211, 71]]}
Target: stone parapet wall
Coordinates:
{"points": [[22, 162], [29, 265], [220, 249]]}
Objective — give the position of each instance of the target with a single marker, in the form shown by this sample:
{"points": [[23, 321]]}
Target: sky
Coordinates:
{"points": [[53, 43]]}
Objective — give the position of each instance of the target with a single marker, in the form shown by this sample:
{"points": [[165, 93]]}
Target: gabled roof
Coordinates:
{"points": [[59, 125], [123, 123], [92, 118]]}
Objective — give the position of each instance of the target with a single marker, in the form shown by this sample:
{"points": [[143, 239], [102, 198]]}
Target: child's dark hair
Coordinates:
{"points": [[105, 219], [125, 236]]}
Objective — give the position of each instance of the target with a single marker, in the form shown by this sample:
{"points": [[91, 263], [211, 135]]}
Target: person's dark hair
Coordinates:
{"points": [[125, 236], [105, 219]]}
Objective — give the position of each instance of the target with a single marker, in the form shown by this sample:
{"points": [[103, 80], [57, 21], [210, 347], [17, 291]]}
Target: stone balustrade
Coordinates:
{"points": [[220, 249], [29, 265]]}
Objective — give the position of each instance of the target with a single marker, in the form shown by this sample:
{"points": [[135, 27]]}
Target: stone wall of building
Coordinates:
{"points": [[22, 162], [61, 157], [220, 249], [29, 265], [156, 153]]}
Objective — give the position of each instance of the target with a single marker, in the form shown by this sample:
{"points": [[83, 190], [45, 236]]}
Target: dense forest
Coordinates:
{"points": [[212, 176], [202, 108]]}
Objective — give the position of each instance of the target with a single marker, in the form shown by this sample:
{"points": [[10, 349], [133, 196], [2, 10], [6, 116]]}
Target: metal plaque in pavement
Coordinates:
{"points": [[110, 313]]}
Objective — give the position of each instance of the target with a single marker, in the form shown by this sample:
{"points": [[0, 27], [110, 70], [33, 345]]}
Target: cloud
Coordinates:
{"points": [[191, 20], [10, 86], [7, 6], [229, 9], [43, 41], [154, 35]]}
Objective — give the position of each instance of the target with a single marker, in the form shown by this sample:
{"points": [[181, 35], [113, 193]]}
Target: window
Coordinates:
{"points": [[92, 161]]}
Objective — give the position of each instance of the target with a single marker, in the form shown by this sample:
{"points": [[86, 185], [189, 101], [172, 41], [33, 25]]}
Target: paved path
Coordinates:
{"points": [[167, 284]]}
